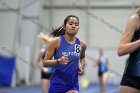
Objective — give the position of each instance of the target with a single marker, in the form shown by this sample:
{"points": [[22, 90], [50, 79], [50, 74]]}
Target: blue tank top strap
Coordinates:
{"points": [[61, 38], [77, 41]]}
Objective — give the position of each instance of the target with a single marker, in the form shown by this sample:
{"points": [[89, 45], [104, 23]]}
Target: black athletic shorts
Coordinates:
{"points": [[45, 75], [131, 81], [101, 73]]}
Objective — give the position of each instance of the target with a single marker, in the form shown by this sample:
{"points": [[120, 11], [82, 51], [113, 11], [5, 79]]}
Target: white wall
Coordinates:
{"points": [[18, 35], [7, 30], [103, 30]]}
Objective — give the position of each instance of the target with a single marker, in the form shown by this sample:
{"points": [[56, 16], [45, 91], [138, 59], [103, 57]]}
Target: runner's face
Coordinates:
{"points": [[72, 26]]}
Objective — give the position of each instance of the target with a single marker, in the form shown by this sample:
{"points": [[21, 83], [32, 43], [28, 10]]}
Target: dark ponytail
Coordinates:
{"points": [[58, 31]]}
